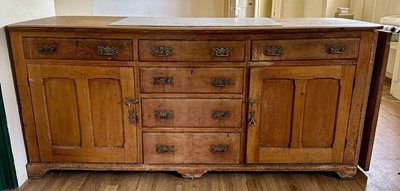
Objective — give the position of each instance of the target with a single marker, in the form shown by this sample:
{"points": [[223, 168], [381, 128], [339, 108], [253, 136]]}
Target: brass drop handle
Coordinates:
{"points": [[219, 148], [165, 148], [162, 51], [221, 52], [220, 114], [163, 80], [220, 82], [162, 114], [252, 120], [132, 116], [335, 49], [47, 49], [273, 50], [107, 50]]}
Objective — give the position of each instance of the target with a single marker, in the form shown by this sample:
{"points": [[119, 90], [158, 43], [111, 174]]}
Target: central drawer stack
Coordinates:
{"points": [[191, 94]]}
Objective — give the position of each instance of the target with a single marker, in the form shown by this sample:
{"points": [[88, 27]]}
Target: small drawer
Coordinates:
{"points": [[217, 148], [305, 49], [191, 80], [79, 49], [192, 113], [179, 50]]}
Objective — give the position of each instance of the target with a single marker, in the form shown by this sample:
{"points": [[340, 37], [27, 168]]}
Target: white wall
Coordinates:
{"points": [[143, 8], [74, 7], [302, 8], [160, 8], [12, 11]]}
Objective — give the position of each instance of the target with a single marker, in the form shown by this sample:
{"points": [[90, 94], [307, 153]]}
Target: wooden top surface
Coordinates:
{"points": [[66, 23]]}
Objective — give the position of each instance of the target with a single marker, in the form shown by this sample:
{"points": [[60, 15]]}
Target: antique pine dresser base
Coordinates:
{"points": [[95, 96]]}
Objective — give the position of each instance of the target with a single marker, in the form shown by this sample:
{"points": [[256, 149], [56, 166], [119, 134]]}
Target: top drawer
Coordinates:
{"points": [[80, 49], [305, 49], [179, 50]]}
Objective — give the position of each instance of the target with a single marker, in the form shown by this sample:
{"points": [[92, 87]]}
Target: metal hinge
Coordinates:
{"points": [[133, 118]]}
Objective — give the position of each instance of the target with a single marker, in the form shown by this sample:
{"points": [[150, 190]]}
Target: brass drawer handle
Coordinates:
{"points": [[165, 148], [47, 49], [273, 50], [162, 80], [220, 82], [221, 52], [335, 49], [219, 148], [220, 114], [164, 114], [107, 50], [162, 51]]}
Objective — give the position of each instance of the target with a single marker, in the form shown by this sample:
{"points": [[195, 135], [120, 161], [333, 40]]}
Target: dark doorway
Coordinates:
{"points": [[8, 179]]}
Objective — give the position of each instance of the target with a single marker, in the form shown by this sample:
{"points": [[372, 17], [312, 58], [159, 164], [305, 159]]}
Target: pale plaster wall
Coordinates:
{"points": [[140, 8], [74, 7], [11, 12]]}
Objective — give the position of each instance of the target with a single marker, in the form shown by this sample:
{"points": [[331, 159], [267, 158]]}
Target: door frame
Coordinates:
{"points": [[8, 178]]}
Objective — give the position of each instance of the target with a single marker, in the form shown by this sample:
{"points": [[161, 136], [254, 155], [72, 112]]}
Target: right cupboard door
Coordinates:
{"points": [[298, 114]]}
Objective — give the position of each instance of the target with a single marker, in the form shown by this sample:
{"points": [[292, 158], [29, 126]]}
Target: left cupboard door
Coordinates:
{"points": [[81, 115]]}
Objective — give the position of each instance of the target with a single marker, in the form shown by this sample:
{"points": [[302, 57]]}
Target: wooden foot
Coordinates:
{"points": [[347, 172], [192, 173], [36, 171]]}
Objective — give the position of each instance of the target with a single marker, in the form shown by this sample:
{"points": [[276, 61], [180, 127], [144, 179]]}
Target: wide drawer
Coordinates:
{"points": [[180, 50], [191, 80], [161, 148], [81, 49], [305, 49], [191, 113]]}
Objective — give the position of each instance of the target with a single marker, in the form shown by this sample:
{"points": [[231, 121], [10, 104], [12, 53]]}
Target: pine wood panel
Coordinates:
{"points": [[191, 148], [182, 50], [374, 99], [301, 49], [307, 96], [191, 112], [277, 98], [320, 113], [106, 109], [191, 80], [92, 103], [182, 143], [63, 114], [24, 98], [203, 141], [360, 97], [84, 49]]}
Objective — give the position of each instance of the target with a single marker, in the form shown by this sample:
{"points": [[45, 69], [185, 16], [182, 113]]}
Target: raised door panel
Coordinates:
{"points": [[320, 113], [106, 109], [80, 115], [277, 98], [298, 114], [64, 125]]}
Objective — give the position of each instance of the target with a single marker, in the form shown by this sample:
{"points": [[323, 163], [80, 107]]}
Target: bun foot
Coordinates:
{"points": [[192, 173], [37, 171], [347, 172]]}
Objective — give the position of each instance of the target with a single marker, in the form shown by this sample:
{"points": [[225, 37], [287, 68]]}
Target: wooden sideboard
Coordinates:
{"points": [[95, 96]]}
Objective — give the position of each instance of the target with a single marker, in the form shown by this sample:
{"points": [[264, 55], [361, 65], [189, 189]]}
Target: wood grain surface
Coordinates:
{"points": [[382, 175]]}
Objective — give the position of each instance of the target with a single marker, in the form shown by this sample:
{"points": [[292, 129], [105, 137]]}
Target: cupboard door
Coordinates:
{"points": [[80, 113], [300, 114]]}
